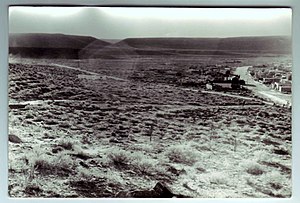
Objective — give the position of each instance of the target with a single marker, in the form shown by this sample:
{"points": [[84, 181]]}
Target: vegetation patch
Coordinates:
{"points": [[66, 144], [135, 161], [114, 135], [183, 153], [253, 168], [61, 165], [219, 178]]}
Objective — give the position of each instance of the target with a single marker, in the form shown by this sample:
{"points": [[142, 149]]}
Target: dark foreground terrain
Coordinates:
{"points": [[125, 127]]}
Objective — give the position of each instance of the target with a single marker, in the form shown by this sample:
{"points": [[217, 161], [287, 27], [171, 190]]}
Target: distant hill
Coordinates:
{"points": [[69, 46], [274, 44], [38, 45], [249, 46]]}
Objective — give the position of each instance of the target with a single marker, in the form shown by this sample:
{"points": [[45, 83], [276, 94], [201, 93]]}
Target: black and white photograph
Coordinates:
{"points": [[149, 102]]}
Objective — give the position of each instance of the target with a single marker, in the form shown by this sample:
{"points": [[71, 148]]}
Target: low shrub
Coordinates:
{"points": [[184, 153], [262, 155], [275, 180], [33, 189], [135, 161], [218, 178], [59, 165], [66, 144], [200, 167], [64, 162], [145, 165], [120, 158], [253, 168]]}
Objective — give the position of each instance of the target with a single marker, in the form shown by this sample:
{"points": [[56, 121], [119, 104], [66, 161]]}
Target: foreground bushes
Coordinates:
{"points": [[183, 153], [135, 161]]}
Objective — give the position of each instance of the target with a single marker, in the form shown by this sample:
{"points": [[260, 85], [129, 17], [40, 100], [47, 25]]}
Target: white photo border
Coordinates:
{"points": [[293, 4]]}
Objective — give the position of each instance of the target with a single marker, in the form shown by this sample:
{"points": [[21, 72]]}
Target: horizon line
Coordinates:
{"points": [[153, 37]]}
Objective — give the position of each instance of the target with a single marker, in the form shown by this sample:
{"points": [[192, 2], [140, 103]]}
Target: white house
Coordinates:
{"points": [[209, 86]]}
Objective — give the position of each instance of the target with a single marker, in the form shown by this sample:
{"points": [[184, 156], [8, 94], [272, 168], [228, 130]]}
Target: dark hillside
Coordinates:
{"points": [[242, 44], [69, 46], [52, 45]]}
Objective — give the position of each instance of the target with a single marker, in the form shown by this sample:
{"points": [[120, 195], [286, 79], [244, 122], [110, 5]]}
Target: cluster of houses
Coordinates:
{"points": [[283, 85], [277, 79]]}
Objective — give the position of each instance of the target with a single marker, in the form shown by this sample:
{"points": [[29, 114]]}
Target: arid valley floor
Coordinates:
{"points": [[107, 127]]}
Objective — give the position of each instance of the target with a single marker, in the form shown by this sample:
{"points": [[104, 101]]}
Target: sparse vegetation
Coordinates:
{"points": [[183, 153], [66, 144], [33, 189], [275, 180], [61, 164], [92, 134], [219, 178], [135, 161], [119, 158], [253, 168]]}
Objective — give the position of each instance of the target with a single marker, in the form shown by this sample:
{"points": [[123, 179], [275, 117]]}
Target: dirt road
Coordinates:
{"points": [[89, 72], [262, 90]]}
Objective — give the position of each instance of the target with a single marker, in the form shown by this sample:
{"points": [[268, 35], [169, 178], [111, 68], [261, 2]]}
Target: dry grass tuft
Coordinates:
{"points": [[66, 144], [135, 161], [119, 158], [218, 178], [253, 168], [182, 153], [275, 180], [61, 164]]}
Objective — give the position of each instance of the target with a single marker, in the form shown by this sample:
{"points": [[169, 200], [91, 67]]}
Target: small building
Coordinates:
{"points": [[287, 82], [275, 85], [222, 85], [285, 88], [209, 86], [218, 86], [271, 80]]}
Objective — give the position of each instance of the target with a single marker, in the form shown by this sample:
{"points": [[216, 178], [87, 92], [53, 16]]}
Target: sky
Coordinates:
{"points": [[126, 22]]}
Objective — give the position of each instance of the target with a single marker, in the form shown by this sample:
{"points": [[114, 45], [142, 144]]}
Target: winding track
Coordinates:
{"points": [[90, 72], [262, 90]]}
